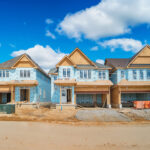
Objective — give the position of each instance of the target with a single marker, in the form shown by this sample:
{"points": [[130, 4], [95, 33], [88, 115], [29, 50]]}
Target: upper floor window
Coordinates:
{"points": [[4, 73], [134, 74], [141, 75], [25, 73], [122, 74], [66, 72], [102, 75], [148, 74], [85, 74]]}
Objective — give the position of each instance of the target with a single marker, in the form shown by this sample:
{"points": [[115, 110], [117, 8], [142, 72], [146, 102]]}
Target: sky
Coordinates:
{"points": [[48, 30]]}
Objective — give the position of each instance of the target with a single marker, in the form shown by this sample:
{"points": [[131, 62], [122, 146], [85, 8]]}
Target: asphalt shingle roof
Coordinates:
{"points": [[113, 62], [11, 62]]}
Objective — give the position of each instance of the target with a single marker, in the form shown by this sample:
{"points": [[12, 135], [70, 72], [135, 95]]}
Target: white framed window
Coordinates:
{"points": [[85, 74], [25, 73], [102, 75], [141, 75], [122, 74], [134, 74], [4, 73], [148, 74], [66, 72]]}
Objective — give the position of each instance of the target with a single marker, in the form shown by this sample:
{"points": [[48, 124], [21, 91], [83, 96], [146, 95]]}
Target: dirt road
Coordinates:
{"points": [[46, 136]]}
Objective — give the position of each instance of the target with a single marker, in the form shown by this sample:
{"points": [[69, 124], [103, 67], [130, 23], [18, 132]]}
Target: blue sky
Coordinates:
{"points": [[48, 30]]}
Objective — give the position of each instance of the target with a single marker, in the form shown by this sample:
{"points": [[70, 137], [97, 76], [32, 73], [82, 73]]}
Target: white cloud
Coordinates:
{"points": [[12, 45], [101, 61], [50, 34], [49, 21], [95, 48], [46, 57], [108, 18], [124, 43]]}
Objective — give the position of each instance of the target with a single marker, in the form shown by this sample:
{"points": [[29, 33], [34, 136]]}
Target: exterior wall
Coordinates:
{"points": [[55, 90], [116, 76], [43, 85], [75, 74], [43, 89], [14, 74]]}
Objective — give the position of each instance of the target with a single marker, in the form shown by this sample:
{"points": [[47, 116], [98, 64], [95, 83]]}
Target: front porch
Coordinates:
{"points": [[16, 91]]}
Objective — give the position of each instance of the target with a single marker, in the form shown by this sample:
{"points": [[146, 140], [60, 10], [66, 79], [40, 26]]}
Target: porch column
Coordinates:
{"points": [[108, 100], [72, 99], [103, 97], [119, 99], [60, 95], [12, 94]]}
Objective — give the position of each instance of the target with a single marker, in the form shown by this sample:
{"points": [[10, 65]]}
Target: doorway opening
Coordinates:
{"points": [[24, 95], [8, 97], [68, 95]]}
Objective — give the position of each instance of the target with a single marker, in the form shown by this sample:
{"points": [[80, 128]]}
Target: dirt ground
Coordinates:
{"points": [[66, 116], [50, 136]]}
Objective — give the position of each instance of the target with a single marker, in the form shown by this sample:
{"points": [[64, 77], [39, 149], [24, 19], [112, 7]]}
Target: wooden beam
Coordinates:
{"points": [[74, 98]]}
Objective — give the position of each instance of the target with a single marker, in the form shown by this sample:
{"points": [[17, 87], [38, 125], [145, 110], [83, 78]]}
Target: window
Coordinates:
{"points": [[66, 72], [85, 74], [102, 75], [141, 75], [134, 74], [4, 73], [148, 74], [25, 73], [122, 74]]}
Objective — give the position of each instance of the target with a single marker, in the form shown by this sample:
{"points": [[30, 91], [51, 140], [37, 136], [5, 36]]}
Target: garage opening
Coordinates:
{"points": [[128, 98], [89, 100]]}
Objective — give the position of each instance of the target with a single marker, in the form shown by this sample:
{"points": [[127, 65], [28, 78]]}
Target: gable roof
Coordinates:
{"points": [[134, 57], [10, 63], [77, 49], [65, 57]]}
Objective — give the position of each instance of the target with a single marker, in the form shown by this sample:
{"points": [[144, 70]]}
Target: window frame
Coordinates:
{"points": [[66, 73], [85, 74], [141, 71], [122, 72], [134, 73], [25, 73], [102, 75], [4, 73], [148, 74]]}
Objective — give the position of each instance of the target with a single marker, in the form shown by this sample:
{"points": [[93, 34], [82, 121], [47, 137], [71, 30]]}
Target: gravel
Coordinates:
{"points": [[103, 115]]}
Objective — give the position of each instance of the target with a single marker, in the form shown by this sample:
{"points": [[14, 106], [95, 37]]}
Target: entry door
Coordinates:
{"points": [[64, 96]]}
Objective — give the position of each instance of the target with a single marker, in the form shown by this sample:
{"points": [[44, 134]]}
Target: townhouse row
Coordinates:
{"points": [[77, 80]]}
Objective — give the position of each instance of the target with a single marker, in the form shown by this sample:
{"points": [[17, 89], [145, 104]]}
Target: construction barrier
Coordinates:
{"points": [[141, 104]]}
